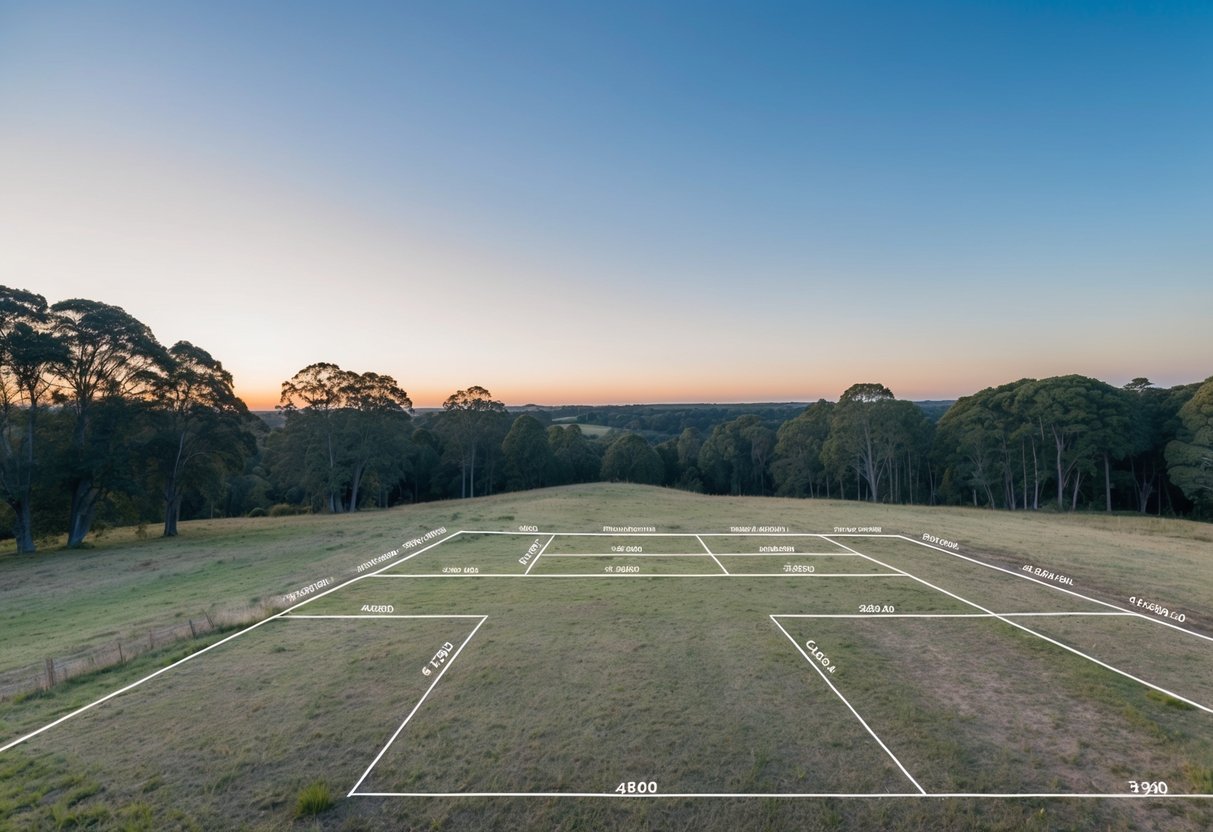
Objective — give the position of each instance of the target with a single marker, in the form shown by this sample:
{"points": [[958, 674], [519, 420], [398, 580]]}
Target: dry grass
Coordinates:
{"points": [[576, 684]]}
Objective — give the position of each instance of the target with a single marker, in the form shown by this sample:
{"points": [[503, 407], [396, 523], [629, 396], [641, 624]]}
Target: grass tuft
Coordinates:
{"points": [[1169, 701], [313, 799]]}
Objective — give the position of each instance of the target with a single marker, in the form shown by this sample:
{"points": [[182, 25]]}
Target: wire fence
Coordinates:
{"points": [[55, 670]]}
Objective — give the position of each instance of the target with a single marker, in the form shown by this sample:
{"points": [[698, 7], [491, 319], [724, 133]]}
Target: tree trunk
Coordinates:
{"points": [[1035, 479], [1061, 483], [1107, 481], [172, 512], [23, 529], [80, 518], [472, 474], [354, 486], [1023, 457], [171, 503], [1074, 497]]}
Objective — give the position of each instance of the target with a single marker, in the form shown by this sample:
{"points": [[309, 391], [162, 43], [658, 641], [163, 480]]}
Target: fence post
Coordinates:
{"points": [[209, 623], [121, 658], [151, 639], [50, 673], [193, 632]]}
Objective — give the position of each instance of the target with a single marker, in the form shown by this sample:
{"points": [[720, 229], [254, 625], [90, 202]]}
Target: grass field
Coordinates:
{"points": [[543, 660]]}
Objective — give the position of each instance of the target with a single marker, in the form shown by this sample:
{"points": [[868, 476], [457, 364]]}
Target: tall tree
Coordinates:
{"points": [[1190, 454], [736, 456], [574, 458], [30, 356], [528, 455], [1068, 411], [199, 424], [375, 430], [631, 459], [310, 399], [860, 432], [798, 469], [469, 418], [111, 356]]}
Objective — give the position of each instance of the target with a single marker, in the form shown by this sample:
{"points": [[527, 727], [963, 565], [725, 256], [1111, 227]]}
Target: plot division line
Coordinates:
{"points": [[416, 707], [709, 551], [538, 556], [838, 693]]}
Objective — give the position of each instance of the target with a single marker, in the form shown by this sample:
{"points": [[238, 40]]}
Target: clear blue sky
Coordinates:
{"points": [[624, 201]]}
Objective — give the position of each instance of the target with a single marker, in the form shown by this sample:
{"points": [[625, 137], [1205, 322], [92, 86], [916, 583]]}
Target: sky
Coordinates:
{"points": [[624, 202]]}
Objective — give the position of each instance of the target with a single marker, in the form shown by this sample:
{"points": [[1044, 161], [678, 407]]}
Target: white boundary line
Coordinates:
{"points": [[682, 534], [1154, 619], [535, 560], [369, 616], [709, 551], [838, 693], [210, 647], [625, 556], [945, 614], [663, 575], [1041, 636], [794, 795], [416, 707]]}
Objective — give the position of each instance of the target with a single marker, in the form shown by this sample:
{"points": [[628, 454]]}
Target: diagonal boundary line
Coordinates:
{"points": [[211, 647], [709, 551], [851, 708], [416, 707], [1143, 616], [1042, 636], [538, 556]]}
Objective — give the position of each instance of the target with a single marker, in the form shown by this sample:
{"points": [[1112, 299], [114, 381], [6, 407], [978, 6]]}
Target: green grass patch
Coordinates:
{"points": [[313, 799]]}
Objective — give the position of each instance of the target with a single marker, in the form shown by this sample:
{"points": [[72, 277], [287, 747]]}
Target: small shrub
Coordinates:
{"points": [[314, 799], [256, 512], [286, 510]]}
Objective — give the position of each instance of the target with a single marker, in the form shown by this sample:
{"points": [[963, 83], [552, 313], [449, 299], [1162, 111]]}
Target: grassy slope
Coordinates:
{"points": [[60, 600]]}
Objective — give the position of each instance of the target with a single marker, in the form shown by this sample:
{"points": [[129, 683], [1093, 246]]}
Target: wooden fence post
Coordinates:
{"points": [[50, 673], [193, 632]]}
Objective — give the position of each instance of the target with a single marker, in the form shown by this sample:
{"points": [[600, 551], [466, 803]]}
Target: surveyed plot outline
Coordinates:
{"points": [[699, 546]]}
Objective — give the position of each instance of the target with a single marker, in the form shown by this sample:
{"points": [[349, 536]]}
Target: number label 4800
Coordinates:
{"points": [[637, 787]]}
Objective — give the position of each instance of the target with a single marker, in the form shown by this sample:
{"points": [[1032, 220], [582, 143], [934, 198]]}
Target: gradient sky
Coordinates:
{"points": [[624, 202]]}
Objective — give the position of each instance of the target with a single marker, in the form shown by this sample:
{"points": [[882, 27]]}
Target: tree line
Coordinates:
{"points": [[101, 425]]}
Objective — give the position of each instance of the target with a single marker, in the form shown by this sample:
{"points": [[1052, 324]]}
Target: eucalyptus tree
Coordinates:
{"points": [[859, 435], [310, 400], [1085, 421], [574, 457], [30, 358], [374, 431], [111, 362], [528, 455], [341, 426], [798, 468], [1190, 454], [632, 459], [469, 420], [199, 435]]}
